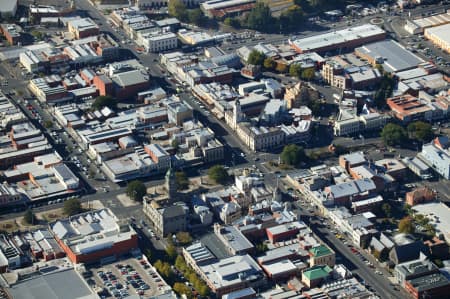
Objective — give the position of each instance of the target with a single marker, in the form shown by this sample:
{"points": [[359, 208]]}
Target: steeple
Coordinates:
{"points": [[171, 182], [276, 195], [237, 113]]}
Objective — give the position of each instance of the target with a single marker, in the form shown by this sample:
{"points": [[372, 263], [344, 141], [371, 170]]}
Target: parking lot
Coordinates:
{"points": [[126, 277]]}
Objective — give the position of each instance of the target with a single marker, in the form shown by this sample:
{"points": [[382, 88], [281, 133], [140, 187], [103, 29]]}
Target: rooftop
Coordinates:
{"points": [[53, 286], [429, 282], [315, 42], [91, 231], [394, 56], [317, 272], [319, 251]]}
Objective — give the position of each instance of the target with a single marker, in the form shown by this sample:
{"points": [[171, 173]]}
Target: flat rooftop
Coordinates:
{"points": [[440, 32], [312, 43], [53, 286], [396, 57]]}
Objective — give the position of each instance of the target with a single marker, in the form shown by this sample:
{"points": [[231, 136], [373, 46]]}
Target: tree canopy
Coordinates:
{"points": [[182, 180], [136, 190], [406, 225], [293, 154], [384, 91], [393, 134], [104, 101], [29, 217], [178, 9], [195, 16], [260, 18], [269, 63], [72, 207], [420, 131], [184, 238], [218, 174], [256, 58]]}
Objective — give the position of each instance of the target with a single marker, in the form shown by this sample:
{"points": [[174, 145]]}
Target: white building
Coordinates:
{"points": [[160, 42], [437, 155]]}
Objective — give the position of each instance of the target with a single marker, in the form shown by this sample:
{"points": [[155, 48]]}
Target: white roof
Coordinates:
{"points": [[440, 32], [337, 37]]}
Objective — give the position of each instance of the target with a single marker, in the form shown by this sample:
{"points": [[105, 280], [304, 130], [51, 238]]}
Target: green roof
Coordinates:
{"points": [[317, 272], [320, 251]]}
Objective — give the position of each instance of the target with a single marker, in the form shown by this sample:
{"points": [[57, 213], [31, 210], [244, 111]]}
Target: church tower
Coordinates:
{"points": [[237, 113], [171, 183]]}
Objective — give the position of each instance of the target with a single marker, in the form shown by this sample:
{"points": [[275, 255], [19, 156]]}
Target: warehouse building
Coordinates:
{"points": [[390, 54], [440, 36], [343, 40]]}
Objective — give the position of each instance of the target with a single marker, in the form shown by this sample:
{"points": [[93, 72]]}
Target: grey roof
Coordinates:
{"points": [[396, 57], [428, 282], [351, 188], [53, 286], [235, 239], [355, 158], [173, 211], [130, 78], [416, 268], [376, 244], [240, 294]]}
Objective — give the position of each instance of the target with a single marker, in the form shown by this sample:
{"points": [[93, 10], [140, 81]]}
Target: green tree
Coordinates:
{"points": [[195, 16], [104, 101], [315, 106], [269, 63], [182, 289], [182, 180], [420, 131], [307, 74], [291, 18], [184, 238], [256, 58], [136, 190], [387, 210], [218, 174], [406, 225], [171, 252], [233, 22], [48, 124], [293, 154], [72, 207], [295, 70], [393, 134], [260, 18], [175, 144], [180, 264], [384, 91], [177, 9], [29, 217]]}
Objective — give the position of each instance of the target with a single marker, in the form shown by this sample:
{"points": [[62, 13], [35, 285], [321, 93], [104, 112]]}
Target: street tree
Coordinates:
{"points": [[218, 174], [420, 131], [184, 238], [260, 18], [72, 207], [136, 190], [182, 180], [293, 155], [29, 217], [393, 134]]}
